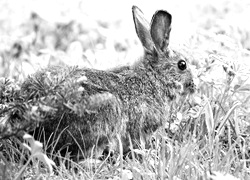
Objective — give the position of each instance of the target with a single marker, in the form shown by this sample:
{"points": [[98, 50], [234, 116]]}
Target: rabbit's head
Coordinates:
{"points": [[171, 66]]}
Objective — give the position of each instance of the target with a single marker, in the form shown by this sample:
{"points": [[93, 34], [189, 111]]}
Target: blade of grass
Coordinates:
{"points": [[226, 117], [121, 152]]}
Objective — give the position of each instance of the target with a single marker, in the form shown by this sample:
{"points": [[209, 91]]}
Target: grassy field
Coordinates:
{"points": [[210, 140]]}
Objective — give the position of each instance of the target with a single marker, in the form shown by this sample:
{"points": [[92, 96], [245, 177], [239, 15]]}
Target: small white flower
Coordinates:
{"points": [[81, 79], [179, 116], [36, 149], [81, 89], [127, 174], [221, 176]]}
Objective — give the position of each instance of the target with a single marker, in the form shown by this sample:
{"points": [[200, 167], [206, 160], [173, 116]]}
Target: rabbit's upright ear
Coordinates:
{"points": [[160, 30], [142, 28]]}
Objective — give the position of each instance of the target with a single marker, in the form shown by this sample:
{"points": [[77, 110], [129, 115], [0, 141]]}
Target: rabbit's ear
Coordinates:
{"points": [[142, 28], [160, 30]]}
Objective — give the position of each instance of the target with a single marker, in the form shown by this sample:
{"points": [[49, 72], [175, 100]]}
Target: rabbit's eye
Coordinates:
{"points": [[182, 65]]}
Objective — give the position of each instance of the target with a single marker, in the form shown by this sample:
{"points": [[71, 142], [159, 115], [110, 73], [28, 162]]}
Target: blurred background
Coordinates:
{"points": [[101, 34]]}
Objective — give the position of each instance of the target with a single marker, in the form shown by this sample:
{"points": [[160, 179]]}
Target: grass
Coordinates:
{"points": [[210, 139]]}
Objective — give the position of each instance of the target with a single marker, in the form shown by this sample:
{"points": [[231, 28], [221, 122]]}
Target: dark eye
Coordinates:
{"points": [[182, 65]]}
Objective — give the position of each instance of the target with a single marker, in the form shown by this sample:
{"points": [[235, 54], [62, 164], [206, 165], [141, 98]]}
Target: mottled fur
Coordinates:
{"points": [[127, 100]]}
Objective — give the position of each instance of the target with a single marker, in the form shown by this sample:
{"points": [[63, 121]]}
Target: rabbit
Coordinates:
{"points": [[81, 109]]}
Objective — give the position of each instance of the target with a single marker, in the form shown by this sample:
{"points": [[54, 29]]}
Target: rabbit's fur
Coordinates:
{"points": [[129, 100]]}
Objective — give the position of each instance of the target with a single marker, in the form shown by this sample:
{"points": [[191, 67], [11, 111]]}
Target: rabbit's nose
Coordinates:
{"points": [[190, 86]]}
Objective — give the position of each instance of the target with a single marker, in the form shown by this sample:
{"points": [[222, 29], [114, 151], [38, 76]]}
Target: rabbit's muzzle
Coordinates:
{"points": [[189, 87], [184, 88]]}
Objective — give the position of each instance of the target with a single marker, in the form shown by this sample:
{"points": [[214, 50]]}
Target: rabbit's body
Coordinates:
{"points": [[132, 99]]}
